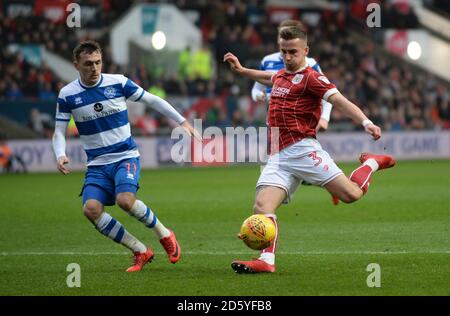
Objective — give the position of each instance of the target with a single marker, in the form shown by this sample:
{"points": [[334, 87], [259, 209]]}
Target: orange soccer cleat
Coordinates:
{"points": [[140, 259], [254, 266], [334, 199], [172, 247], [384, 161]]}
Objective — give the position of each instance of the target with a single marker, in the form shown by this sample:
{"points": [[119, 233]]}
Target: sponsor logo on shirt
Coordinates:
{"points": [[98, 107], [100, 114], [78, 100], [279, 91]]}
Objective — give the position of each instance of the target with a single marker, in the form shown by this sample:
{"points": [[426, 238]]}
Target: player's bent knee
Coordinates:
{"points": [[125, 202], [351, 196], [92, 210]]}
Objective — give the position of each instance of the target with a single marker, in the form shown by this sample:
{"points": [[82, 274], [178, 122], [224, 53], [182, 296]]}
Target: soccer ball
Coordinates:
{"points": [[258, 232]]}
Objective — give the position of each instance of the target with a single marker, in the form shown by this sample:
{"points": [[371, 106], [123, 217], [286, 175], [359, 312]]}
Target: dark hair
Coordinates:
{"points": [[293, 32], [87, 47]]}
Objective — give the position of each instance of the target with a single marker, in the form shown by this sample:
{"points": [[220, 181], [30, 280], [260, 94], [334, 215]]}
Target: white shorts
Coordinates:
{"points": [[301, 161]]}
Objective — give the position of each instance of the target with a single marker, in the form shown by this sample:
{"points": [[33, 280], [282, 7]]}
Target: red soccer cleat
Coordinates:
{"points": [[140, 259], [384, 161], [254, 266], [335, 200], [172, 247]]}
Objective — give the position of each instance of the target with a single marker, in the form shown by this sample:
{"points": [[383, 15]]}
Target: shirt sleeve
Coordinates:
{"points": [[62, 109], [317, 68], [320, 86], [162, 106], [275, 74], [257, 90], [59, 140], [132, 91], [261, 66], [326, 110]]}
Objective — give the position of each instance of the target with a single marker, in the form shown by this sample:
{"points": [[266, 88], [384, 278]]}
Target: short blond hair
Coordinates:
{"points": [[291, 29], [293, 32], [291, 23]]}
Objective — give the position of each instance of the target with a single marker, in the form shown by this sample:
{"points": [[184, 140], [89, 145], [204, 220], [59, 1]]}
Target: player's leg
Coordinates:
{"points": [[268, 199], [344, 189], [108, 226], [126, 180], [313, 164], [93, 199], [138, 209], [274, 187], [97, 192], [353, 188]]}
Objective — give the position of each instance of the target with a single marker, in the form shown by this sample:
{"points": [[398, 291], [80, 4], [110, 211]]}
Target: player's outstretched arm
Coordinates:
{"points": [[163, 107], [263, 77], [352, 111], [59, 146]]}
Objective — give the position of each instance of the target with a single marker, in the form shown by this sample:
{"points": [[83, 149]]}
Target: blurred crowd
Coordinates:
{"points": [[388, 90], [394, 95], [20, 79]]}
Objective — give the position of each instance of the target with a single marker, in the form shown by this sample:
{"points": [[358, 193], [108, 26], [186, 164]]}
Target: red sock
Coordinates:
{"points": [[362, 177], [268, 254]]}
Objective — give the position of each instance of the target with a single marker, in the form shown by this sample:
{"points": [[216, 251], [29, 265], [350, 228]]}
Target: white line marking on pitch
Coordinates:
{"points": [[222, 253]]}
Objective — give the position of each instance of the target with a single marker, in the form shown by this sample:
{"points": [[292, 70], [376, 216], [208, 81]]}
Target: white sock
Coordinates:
{"points": [[268, 257], [143, 213], [372, 163], [133, 243], [113, 229]]}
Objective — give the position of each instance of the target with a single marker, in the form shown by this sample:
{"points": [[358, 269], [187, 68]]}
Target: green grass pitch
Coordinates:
{"points": [[403, 224]]}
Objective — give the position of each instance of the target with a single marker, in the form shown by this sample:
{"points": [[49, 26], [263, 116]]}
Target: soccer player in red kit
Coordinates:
{"points": [[294, 111]]}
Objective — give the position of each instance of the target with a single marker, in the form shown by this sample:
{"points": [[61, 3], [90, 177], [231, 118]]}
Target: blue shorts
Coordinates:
{"points": [[103, 183]]}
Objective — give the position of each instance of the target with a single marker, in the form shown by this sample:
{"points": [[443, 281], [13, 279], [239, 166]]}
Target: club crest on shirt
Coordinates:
{"points": [[297, 79], [324, 79], [109, 92]]}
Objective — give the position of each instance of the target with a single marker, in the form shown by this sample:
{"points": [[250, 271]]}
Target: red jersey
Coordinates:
{"points": [[295, 104]]}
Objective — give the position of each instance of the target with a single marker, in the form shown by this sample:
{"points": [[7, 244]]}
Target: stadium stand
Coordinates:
{"points": [[395, 94]]}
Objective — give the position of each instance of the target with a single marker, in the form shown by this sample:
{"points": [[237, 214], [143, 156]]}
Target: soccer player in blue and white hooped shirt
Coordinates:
{"points": [[97, 103]]}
